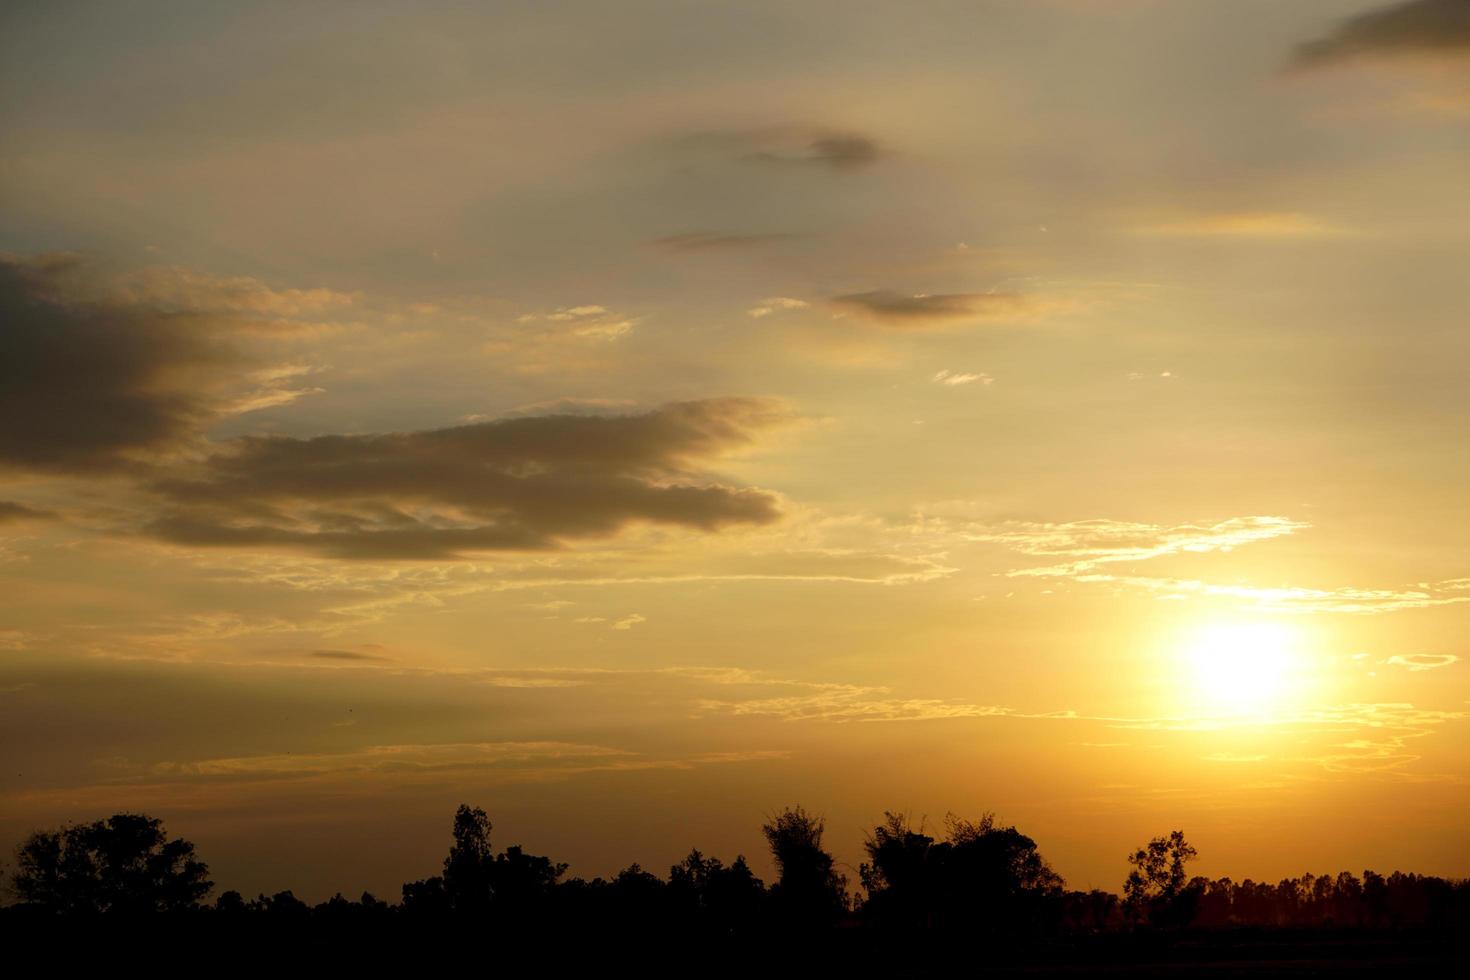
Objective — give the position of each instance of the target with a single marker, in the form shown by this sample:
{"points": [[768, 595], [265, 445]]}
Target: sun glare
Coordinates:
{"points": [[1244, 667]]}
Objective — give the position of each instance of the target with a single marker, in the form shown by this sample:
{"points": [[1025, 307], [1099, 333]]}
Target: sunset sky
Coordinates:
{"points": [[633, 418]]}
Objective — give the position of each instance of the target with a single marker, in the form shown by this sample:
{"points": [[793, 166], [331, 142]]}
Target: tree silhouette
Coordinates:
{"points": [[982, 878], [124, 864], [521, 882], [1156, 887], [469, 868], [809, 890], [977, 894], [902, 875], [710, 895], [477, 881]]}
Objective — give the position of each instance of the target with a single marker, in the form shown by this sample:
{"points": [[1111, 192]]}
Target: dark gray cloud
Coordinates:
{"points": [[919, 310], [838, 151], [86, 385], [845, 152], [791, 144], [705, 241], [1419, 26], [345, 655], [11, 511], [509, 484], [105, 372]]}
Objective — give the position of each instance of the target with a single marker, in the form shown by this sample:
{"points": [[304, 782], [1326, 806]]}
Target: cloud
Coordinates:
{"points": [[1242, 224], [12, 512], [1290, 599], [1089, 544], [1415, 28], [847, 703], [576, 312], [105, 374], [703, 241], [1382, 733], [776, 304], [955, 378], [588, 321], [88, 385], [529, 482], [841, 152], [388, 758], [272, 387], [1423, 661], [919, 310], [345, 655], [629, 621], [174, 289], [14, 640]]}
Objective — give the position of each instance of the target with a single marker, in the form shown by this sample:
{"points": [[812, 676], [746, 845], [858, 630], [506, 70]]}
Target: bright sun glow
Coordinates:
{"points": [[1243, 666]]}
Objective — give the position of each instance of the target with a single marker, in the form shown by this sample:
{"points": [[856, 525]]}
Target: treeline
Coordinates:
{"points": [[975, 878]]}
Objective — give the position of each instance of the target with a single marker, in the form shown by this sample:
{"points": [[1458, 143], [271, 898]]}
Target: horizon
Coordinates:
{"points": [[636, 420]]}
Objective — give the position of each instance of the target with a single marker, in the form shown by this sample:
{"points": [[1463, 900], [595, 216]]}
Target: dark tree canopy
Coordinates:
{"points": [[124, 864], [982, 877], [470, 866], [972, 894], [476, 880], [708, 892], [809, 888]]}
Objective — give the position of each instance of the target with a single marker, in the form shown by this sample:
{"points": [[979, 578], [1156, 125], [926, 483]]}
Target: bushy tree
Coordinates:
{"points": [[124, 864], [521, 882], [981, 878], [902, 874], [809, 891]]}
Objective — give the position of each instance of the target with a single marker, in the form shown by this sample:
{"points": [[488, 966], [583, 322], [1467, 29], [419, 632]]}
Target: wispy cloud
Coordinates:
{"points": [[1291, 599], [14, 512], [927, 310], [1092, 543], [589, 321], [387, 758], [709, 241], [1416, 662], [846, 703], [505, 760], [956, 378], [776, 304], [1242, 224]]}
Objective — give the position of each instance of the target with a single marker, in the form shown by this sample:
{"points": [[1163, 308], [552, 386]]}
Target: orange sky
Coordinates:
{"points": [[634, 418]]}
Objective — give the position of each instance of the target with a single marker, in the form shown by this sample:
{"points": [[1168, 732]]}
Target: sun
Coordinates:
{"points": [[1242, 667]]}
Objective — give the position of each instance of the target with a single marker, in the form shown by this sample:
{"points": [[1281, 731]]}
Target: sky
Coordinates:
{"points": [[636, 418]]}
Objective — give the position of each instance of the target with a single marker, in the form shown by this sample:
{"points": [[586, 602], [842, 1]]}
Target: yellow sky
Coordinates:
{"points": [[633, 418]]}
